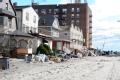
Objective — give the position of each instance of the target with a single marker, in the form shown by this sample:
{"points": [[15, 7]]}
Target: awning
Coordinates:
{"points": [[19, 33], [6, 12], [60, 39]]}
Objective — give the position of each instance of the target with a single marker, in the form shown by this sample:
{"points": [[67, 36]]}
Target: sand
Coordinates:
{"points": [[88, 68]]}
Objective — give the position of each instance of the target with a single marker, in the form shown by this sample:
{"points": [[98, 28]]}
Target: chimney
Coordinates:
{"points": [[15, 4], [77, 1]]}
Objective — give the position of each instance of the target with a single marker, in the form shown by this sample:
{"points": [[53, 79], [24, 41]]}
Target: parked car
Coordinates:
{"points": [[62, 54]]}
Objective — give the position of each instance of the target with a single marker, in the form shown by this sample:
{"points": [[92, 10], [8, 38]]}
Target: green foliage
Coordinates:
{"points": [[4, 50], [47, 47], [44, 49]]}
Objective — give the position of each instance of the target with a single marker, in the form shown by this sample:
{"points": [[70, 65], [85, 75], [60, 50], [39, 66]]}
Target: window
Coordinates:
{"points": [[77, 22], [90, 15], [43, 11], [72, 15], [50, 11], [34, 19], [64, 15], [43, 22], [34, 30], [72, 21], [78, 9], [7, 6], [65, 33], [22, 43], [72, 10], [23, 28], [27, 29], [27, 16], [90, 21], [56, 16], [10, 23], [78, 15], [63, 23], [56, 11], [64, 11]]}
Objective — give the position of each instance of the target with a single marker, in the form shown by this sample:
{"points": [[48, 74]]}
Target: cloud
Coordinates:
{"points": [[106, 13], [64, 1]]}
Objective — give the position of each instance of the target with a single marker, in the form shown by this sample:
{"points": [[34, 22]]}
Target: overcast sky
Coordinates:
{"points": [[106, 25], [106, 21]]}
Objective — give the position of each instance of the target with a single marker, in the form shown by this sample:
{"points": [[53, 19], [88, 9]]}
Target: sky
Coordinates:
{"points": [[106, 21]]}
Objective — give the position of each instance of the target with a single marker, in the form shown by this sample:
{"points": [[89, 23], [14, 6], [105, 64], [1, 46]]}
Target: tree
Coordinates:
{"points": [[44, 49]]}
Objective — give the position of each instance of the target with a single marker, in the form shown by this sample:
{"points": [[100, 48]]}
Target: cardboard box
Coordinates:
{"points": [[22, 51]]}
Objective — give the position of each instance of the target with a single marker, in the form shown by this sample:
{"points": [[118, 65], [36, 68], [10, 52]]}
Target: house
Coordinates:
{"points": [[11, 38], [75, 35], [8, 22], [27, 19], [51, 24], [7, 17]]}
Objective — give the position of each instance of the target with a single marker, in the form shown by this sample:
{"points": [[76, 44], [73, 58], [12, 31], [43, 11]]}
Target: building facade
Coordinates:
{"points": [[27, 19], [78, 14], [7, 17], [10, 37], [7, 21], [75, 35], [50, 23]]}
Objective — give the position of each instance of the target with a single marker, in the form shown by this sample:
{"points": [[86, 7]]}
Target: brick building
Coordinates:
{"points": [[78, 14]]}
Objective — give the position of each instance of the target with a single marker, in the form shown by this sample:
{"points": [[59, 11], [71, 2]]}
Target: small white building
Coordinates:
{"points": [[27, 19]]}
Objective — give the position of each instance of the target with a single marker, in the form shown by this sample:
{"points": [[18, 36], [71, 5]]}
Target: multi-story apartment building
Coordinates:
{"points": [[78, 14]]}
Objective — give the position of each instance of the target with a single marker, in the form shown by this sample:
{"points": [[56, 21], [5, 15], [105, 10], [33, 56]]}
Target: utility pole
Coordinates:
{"points": [[103, 45]]}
